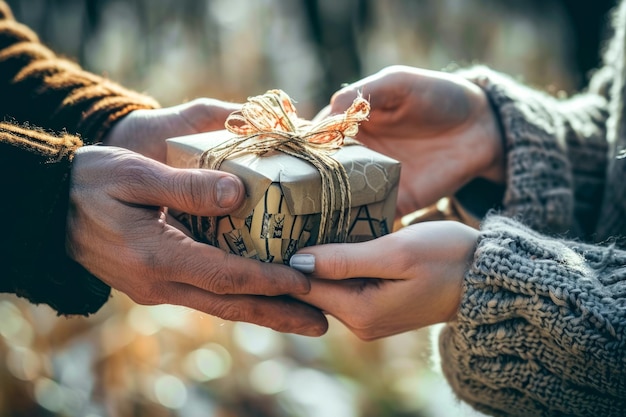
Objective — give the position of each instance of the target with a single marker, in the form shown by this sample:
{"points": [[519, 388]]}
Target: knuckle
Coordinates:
{"points": [[230, 311], [129, 172], [220, 280], [214, 275], [148, 275], [147, 295], [206, 113], [205, 107], [191, 190], [132, 177], [204, 104], [227, 278], [223, 284]]}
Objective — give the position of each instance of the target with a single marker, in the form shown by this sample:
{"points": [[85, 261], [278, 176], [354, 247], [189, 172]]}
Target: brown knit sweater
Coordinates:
{"points": [[49, 107], [541, 330]]}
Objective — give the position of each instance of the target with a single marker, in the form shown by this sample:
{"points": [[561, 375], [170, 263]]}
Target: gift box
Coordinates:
{"points": [[292, 199]]}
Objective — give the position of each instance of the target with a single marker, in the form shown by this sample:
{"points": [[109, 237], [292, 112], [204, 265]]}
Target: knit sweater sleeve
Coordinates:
{"points": [[556, 151], [42, 89], [37, 88], [542, 326]]}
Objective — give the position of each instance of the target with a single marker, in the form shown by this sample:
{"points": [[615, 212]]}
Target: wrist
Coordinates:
{"points": [[493, 144], [118, 135]]}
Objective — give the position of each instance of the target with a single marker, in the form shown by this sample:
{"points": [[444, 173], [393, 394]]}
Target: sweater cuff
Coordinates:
{"points": [[539, 180], [541, 326], [33, 249]]}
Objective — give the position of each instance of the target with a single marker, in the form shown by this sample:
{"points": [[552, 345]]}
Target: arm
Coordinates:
{"points": [[45, 90], [555, 151], [41, 89], [35, 187], [116, 228], [536, 325], [452, 131], [541, 326], [105, 207]]}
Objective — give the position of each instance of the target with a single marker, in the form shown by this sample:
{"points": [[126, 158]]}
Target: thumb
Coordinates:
{"points": [[343, 261], [196, 191]]}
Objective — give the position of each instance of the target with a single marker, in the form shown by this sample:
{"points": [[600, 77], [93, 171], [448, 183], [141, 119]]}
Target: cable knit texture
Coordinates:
{"points": [[556, 153], [542, 325], [50, 108], [541, 329]]}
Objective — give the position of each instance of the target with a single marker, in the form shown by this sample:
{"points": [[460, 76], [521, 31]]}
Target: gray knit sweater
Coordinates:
{"points": [[541, 330]]}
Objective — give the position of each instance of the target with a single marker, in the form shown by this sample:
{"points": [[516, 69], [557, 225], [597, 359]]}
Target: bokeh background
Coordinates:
{"points": [[131, 360]]}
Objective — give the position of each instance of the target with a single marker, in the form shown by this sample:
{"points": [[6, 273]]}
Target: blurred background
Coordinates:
{"points": [[131, 360]]}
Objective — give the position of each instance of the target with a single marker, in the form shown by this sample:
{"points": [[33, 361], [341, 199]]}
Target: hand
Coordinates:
{"points": [[438, 125], [145, 131], [118, 230], [418, 273]]}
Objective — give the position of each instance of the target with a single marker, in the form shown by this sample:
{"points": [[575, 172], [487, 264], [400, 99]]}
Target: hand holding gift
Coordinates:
{"points": [[119, 227], [403, 281], [442, 129], [438, 125], [306, 183]]}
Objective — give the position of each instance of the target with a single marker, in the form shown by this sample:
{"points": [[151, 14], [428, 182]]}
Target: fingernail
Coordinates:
{"points": [[227, 191], [303, 262]]}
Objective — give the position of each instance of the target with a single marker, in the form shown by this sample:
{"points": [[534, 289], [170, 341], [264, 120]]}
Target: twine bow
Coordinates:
{"points": [[269, 122]]}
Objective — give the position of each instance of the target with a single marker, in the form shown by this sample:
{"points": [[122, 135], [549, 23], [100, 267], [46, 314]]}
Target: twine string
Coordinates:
{"points": [[269, 123]]}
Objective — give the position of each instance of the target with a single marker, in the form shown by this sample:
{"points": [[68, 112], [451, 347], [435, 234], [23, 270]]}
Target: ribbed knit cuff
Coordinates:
{"points": [[55, 93], [541, 326], [539, 189]]}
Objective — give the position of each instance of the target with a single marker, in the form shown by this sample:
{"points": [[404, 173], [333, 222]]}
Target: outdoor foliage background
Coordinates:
{"points": [[131, 360]]}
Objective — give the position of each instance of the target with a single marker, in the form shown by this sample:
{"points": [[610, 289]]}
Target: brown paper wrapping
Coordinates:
{"points": [[281, 213]]}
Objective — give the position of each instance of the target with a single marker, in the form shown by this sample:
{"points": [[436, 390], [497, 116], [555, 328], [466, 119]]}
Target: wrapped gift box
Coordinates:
{"points": [[281, 212], [282, 209]]}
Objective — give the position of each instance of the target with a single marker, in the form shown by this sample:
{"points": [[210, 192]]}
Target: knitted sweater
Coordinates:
{"points": [[49, 107], [541, 329]]}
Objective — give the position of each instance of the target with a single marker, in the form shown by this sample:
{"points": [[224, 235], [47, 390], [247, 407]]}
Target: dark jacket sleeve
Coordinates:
{"points": [[49, 108], [35, 186]]}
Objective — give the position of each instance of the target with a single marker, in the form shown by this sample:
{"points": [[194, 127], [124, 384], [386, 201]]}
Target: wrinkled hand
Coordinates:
{"points": [[438, 125], [409, 279], [118, 229], [145, 131]]}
